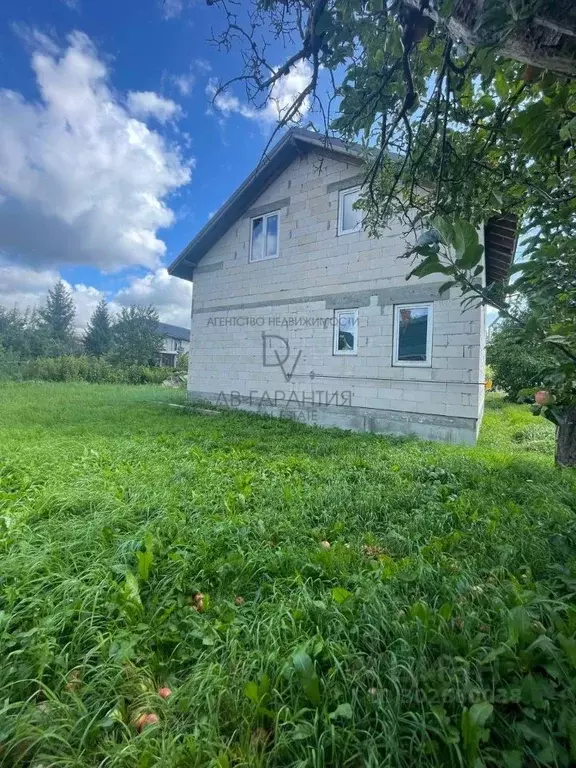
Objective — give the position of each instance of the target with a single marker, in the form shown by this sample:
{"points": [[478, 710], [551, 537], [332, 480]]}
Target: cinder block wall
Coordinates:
{"points": [[294, 296]]}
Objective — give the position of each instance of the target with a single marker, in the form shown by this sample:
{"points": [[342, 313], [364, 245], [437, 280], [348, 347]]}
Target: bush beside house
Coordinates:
{"points": [[517, 363]]}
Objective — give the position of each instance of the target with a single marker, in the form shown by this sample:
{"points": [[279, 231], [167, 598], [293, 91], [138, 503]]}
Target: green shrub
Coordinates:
{"points": [[517, 363], [10, 365], [87, 368], [182, 362]]}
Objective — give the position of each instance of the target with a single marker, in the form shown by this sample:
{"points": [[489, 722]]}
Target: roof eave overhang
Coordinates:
{"points": [[500, 240]]}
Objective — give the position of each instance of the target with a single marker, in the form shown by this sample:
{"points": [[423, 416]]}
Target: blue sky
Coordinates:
{"points": [[111, 154], [111, 157]]}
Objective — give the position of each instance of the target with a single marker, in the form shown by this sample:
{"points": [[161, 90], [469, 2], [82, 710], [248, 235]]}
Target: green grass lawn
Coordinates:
{"points": [[438, 628]]}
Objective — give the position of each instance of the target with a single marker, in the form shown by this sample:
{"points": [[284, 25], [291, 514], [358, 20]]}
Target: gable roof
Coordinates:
{"points": [[499, 232], [294, 142], [173, 331]]}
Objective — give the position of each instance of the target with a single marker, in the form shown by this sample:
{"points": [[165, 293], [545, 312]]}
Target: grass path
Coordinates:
{"points": [[437, 629]]}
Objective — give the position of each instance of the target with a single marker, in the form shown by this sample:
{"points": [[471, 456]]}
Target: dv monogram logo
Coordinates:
{"points": [[276, 351]]}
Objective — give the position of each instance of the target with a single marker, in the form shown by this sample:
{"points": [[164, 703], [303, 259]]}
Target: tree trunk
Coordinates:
{"points": [[566, 439]]}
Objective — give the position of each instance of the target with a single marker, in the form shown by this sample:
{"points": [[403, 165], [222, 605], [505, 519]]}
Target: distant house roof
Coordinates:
{"points": [[173, 331], [296, 141]]}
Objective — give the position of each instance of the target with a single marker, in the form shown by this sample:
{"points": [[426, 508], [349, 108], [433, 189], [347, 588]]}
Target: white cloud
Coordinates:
{"points": [[227, 103], [202, 65], [184, 83], [170, 295], [25, 287], [283, 95], [287, 89], [86, 299], [171, 9], [81, 181], [149, 104]]}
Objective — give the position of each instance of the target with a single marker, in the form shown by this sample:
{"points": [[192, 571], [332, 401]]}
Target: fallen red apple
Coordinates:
{"points": [[146, 719], [164, 692], [543, 397]]}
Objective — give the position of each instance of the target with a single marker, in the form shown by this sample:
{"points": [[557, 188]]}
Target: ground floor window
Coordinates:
{"points": [[168, 359], [412, 334], [345, 332]]}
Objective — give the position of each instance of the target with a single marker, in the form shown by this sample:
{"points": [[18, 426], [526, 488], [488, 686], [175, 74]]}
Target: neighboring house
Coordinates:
{"points": [[297, 311], [176, 342]]}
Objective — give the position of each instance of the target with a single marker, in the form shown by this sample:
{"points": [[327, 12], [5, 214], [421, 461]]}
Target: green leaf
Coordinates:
{"points": [[568, 645], [342, 710], [312, 690], [445, 229], [420, 611], [498, 199], [532, 731], [302, 731], [340, 594], [131, 590], [430, 266], [445, 611], [303, 664], [472, 727], [222, 760], [468, 249], [518, 624], [480, 713], [501, 84], [472, 256], [251, 691], [144, 562], [304, 667], [446, 286], [512, 759], [569, 130]]}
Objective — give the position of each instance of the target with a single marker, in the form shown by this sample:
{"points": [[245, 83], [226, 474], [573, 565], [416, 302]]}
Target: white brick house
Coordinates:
{"points": [[297, 312]]}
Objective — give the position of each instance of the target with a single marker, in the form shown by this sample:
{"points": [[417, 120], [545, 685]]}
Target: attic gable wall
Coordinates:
{"points": [[313, 258]]}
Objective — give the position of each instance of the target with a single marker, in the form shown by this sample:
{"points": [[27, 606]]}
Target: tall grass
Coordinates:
{"points": [[80, 368], [437, 629]]}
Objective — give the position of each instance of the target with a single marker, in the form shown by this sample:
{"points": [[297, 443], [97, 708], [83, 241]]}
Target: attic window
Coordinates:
{"points": [[264, 237], [349, 218]]}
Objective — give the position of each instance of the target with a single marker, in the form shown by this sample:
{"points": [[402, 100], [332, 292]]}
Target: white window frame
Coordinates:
{"points": [[264, 217], [336, 331], [342, 194], [429, 330]]}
